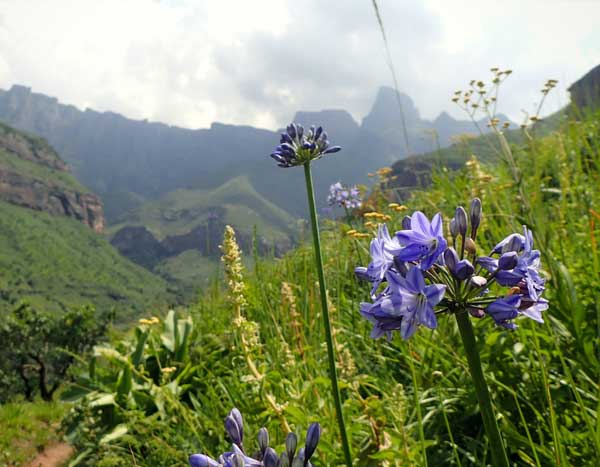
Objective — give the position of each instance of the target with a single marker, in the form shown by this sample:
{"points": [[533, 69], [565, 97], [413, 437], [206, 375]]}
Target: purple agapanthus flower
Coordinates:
{"points": [[297, 147], [504, 310], [406, 303], [347, 198], [383, 248], [424, 241], [266, 456]]}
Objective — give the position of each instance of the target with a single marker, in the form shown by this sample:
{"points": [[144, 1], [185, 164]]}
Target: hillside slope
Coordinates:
{"points": [[51, 252]]}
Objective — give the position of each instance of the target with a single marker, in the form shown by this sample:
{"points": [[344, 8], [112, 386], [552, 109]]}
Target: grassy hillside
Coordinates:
{"points": [[236, 202], [402, 400], [57, 262]]}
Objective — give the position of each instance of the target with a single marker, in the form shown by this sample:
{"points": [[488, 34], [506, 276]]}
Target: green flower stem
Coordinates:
{"points": [[483, 396], [323, 291]]}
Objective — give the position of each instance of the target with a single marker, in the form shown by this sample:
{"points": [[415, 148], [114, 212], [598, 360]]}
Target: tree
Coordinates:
{"points": [[38, 348]]}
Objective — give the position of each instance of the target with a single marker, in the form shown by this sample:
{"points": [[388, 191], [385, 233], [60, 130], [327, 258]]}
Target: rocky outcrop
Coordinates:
{"points": [[139, 245], [33, 176]]}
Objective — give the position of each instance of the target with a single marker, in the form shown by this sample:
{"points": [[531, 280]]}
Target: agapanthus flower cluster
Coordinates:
{"points": [[416, 275], [264, 456], [297, 147], [344, 197]]}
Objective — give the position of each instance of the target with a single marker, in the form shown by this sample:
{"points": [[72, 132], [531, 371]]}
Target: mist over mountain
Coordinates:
{"points": [[128, 162]]}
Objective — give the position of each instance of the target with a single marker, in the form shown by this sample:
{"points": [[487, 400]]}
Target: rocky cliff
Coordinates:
{"points": [[32, 175]]}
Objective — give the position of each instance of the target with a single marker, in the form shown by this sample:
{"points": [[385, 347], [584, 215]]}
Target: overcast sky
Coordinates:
{"points": [[192, 62]]}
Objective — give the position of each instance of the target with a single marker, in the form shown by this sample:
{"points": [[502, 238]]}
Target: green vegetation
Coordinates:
{"points": [[39, 348], [402, 399], [26, 428], [57, 263], [182, 210]]}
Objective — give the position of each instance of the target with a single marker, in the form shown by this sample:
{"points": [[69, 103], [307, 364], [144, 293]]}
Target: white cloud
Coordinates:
{"points": [[193, 62]]}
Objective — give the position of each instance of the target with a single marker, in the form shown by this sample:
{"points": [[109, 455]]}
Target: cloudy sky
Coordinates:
{"points": [[192, 62]]}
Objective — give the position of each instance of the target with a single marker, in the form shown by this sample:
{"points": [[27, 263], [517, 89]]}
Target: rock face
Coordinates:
{"points": [[33, 176], [139, 244], [585, 92]]}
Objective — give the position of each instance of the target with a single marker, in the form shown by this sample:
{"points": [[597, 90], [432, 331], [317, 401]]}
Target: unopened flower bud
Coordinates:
{"points": [[476, 312], [508, 261], [478, 281], [464, 269], [470, 246], [313, 435], [299, 459], [453, 228], [461, 221], [475, 216], [263, 440], [234, 429], [360, 273], [291, 441], [270, 458], [451, 258], [406, 223]]}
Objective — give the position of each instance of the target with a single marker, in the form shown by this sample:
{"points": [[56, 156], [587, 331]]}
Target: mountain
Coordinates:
{"points": [[424, 136], [51, 251], [127, 162]]}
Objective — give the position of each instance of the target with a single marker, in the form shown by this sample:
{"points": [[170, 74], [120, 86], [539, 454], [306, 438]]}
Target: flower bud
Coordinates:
{"points": [[470, 246], [263, 440], [200, 460], [361, 273], [463, 270], [478, 281], [299, 459], [406, 223], [453, 228], [476, 312], [461, 221], [235, 432], [291, 441], [270, 458], [313, 435], [475, 216], [451, 258], [508, 261]]}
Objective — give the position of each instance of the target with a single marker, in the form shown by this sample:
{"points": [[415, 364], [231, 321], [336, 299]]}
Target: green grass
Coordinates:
{"points": [[57, 262], [26, 428], [543, 377], [182, 210]]}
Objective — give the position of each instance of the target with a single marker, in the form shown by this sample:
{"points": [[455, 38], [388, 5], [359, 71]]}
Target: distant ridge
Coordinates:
{"points": [[127, 161]]}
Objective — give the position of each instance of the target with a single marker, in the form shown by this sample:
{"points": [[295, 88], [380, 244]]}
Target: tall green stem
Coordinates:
{"points": [[328, 336], [483, 395]]}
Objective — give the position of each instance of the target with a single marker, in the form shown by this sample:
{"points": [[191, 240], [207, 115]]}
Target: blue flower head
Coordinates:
{"points": [[424, 277], [297, 147]]}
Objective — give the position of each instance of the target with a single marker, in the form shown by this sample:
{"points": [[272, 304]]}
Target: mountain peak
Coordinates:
{"points": [[337, 122], [386, 111]]}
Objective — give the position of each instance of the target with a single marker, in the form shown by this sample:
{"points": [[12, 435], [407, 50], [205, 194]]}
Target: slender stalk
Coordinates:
{"points": [[326, 320], [417, 405], [483, 395]]}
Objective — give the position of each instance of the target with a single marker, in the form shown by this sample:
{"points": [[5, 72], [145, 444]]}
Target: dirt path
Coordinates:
{"points": [[52, 456]]}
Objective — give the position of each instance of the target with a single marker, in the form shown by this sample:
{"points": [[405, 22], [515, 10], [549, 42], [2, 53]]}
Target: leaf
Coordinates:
{"points": [[118, 431]]}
